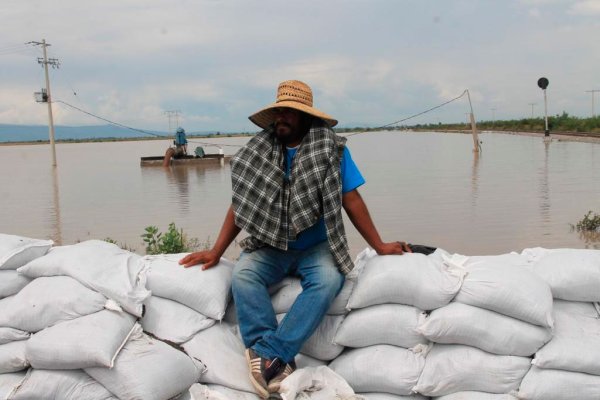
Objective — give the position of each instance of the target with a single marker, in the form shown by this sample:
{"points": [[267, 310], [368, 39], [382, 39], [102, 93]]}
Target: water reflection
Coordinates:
{"points": [[475, 179], [56, 223], [178, 176], [544, 187]]}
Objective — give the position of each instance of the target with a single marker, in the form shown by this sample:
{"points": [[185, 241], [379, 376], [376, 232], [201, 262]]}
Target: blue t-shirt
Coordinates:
{"points": [[351, 179]]}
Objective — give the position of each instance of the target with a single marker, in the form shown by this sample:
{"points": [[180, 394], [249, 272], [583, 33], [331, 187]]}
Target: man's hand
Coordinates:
{"points": [[208, 259], [393, 248]]}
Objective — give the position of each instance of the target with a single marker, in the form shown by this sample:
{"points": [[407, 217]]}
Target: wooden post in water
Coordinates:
{"points": [[473, 126]]}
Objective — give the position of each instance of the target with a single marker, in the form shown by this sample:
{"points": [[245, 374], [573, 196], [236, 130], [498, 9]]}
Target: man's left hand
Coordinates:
{"points": [[393, 248]]}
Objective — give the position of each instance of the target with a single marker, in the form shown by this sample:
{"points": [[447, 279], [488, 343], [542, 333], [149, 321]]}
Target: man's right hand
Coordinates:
{"points": [[208, 259]]}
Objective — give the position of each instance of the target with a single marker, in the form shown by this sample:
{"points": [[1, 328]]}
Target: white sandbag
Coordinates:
{"points": [[11, 282], [10, 382], [12, 335], [63, 385], [510, 290], [487, 330], [291, 287], [476, 396], [13, 357], [574, 347], [381, 368], [394, 324], [550, 384], [388, 396], [48, 301], [320, 344], [319, 383], [218, 392], [16, 251], [90, 341], [455, 368], [411, 279], [573, 274], [204, 291], [168, 320], [99, 265], [576, 307], [223, 354], [304, 361], [148, 369]]}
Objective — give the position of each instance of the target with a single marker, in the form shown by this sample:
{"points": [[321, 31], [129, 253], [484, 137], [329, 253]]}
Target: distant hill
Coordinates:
{"points": [[32, 133]]}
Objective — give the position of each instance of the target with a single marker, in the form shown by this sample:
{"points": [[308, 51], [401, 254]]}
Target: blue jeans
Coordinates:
{"points": [[256, 271]]}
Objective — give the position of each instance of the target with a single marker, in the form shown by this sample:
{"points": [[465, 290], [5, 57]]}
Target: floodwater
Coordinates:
{"points": [[426, 188]]}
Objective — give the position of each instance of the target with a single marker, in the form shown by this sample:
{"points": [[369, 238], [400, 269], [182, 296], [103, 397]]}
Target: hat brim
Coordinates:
{"points": [[266, 116]]}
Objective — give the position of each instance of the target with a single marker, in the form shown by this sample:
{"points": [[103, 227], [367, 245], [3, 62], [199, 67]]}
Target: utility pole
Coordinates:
{"points": [[593, 92], [532, 104], [493, 116], [48, 98], [473, 125], [170, 114]]}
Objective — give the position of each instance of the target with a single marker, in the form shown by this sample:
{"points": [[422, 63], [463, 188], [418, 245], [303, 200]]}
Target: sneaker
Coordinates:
{"points": [[275, 383], [261, 371]]}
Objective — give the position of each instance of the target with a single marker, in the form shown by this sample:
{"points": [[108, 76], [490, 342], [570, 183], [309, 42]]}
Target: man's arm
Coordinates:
{"points": [[210, 258], [359, 215]]}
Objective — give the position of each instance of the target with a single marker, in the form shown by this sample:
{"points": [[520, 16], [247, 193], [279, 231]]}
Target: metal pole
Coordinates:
{"points": [[50, 119], [593, 92], [532, 104], [547, 131]]}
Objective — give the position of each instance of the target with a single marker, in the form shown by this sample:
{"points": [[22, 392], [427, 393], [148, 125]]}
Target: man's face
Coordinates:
{"points": [[290, 125]]}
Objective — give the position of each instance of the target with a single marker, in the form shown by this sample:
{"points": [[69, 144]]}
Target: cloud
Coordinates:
{"points": [[586, 8]]}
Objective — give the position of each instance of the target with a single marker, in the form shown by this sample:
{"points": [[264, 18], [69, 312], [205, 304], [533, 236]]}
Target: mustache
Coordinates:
{"points": [[278, 124]]}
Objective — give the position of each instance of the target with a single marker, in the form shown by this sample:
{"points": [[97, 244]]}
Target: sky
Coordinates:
{"points": [[369, 62]]}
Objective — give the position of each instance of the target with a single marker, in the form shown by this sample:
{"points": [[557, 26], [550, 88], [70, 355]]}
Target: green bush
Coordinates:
{"points": [[589, 223], [173, 241]]}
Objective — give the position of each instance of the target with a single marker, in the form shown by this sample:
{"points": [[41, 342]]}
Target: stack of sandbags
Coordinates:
{"points": [[568, 367], [484, 338], [385, 353]]}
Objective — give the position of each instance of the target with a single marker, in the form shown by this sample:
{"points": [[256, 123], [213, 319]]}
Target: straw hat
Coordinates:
{"points": [[291, 94]]}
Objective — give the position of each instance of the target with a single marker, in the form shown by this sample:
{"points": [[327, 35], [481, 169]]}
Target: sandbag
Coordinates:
{"points": [[576, 307], [495, 333], [168, 320], [411, 279], [574, 347], [388, 396], [217, 392], [204, 291], [222, 351], [90, 341], [381, 368], [551, 384], [304, 361], [10, 382], [16, 251], [476, 396], [320, 344], [573, 274], [13, 357], [394, 324], [11, 282], [319, 383], [48, 301], [63, 385], [12, 335], [507, 289], [291, 287], [99, 265], [148, 369], [455, 368]]}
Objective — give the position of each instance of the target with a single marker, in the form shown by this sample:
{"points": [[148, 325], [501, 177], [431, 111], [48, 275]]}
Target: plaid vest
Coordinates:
{"points": [[274, 210]]}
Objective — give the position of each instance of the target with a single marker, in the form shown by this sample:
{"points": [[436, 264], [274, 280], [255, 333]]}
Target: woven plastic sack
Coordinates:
{"points": [[148, 369], [552, 384], [319, 383], [48, 301], [576, 307], [512, 290], [573, 274], [217, 392], [303, 361], [13, 357], [291, 287], [16, 251], [168, 320], [63, 385], [495, 333], [9, 382], [221, 350], [476, 396], [388, 396], [11, 282], [90, 341], [456, 368], [320, 344], [381, 368], [12, 335], [99, 265], [393, 324], [204, 291], [411, 279]]}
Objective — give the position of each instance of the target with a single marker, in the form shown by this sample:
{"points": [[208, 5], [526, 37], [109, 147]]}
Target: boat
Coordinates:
{"points": [[159, 161]]}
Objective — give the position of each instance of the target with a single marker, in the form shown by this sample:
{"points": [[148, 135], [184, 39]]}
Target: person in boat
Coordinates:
{"points": [[180, 142], [290, 183]]}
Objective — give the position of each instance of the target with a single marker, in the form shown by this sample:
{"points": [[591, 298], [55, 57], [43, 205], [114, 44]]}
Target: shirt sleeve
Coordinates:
{"points": [[351, 176]]}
